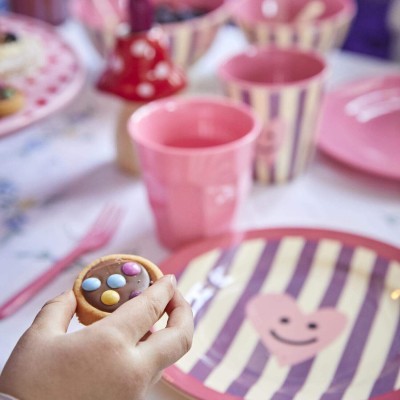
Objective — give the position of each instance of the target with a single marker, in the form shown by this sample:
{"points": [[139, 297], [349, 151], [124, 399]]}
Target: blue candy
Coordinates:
{"points": [[91, 284], [116, 281]]}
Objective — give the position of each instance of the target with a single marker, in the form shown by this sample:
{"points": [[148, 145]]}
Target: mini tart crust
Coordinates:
{"points": [[86, 313], [13, 104]]}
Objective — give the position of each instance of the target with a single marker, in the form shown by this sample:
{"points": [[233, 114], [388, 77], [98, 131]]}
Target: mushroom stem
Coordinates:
{"points": [[141, 14]]}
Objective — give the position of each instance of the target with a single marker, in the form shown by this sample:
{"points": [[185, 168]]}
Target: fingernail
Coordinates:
{"points": [[172, 278]]}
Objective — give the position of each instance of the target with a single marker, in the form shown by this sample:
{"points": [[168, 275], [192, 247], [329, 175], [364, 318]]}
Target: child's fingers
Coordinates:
{"points": [[55, 316], [168, 345], [136, 317]]}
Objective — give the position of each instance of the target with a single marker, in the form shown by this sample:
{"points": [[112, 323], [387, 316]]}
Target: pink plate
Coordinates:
{"points": [[289, 313], [360, 125], [49, 88]]}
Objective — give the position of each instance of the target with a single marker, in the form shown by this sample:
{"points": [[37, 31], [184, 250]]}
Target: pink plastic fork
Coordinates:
{"points": [[98, 235]]}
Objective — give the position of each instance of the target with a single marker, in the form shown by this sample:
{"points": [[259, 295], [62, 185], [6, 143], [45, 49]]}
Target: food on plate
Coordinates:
{"points": [[19, 54], [110, 281], [11, 100]]}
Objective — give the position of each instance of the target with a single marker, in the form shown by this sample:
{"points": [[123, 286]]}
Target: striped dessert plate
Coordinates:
{"points": [[289, 313]]}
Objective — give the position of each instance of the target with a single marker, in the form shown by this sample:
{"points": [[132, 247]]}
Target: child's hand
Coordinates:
{"points": [[115, 358]]}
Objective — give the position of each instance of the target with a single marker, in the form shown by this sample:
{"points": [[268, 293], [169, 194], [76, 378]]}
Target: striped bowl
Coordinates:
{"points": [[189, 40], [322, 33]]}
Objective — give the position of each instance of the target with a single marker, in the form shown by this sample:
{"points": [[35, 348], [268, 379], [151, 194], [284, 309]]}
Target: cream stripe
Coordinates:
{"points": [[210, 326], [341, 28], [205, 31], [284, 36], [262, 172], [289, 103], [234, 92], [354, 291], [320, 276], [397, 384], [310, 296], [247, 30], [199, 267], [245, 341], [182, 43], [262, 34], [260, 103], [305, 34], [307, 133], [327, 36], [379, 340]]}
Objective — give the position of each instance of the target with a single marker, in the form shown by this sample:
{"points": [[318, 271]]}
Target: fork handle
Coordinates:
{"points": [[20, 298]]}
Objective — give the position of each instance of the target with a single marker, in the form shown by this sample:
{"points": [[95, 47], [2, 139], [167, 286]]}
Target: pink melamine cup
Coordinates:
{"points": [[196, 156], [285, 88]]}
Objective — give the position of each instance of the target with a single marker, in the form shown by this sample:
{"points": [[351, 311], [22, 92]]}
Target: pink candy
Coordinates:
{"points": [[131, 268]]}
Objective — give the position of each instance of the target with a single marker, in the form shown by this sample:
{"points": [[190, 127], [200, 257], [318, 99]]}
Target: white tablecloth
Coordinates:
{"points": [[55, 177]]}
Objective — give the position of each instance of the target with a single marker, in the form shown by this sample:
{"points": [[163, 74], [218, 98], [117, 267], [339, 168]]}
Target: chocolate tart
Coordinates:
{"points": [[109, 282]]}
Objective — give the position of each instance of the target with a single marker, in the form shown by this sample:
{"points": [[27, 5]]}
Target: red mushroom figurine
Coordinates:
{"points": [[139, 70]]}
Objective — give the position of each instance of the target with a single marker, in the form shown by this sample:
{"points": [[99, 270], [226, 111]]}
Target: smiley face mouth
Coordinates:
{"points": [[292, 342]]}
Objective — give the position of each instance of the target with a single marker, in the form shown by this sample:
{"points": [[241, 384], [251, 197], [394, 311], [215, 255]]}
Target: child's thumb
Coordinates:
{"points": [[56, 314]]}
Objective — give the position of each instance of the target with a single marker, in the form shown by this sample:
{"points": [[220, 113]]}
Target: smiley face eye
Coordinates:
{"points": [[284, 320], [312, 325]]}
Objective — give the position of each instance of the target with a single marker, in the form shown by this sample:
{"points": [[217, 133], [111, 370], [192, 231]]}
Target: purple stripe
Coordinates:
{"points": [[250, 375], [222, 267], [303, 268], [388, 375], [246, 380], [274, 101], [299, 373], [295, 37], [171, 46], [272, 37], [390, 370], [221, 344], [359, 335], [297, 130], [316, 39], [245, 94]]}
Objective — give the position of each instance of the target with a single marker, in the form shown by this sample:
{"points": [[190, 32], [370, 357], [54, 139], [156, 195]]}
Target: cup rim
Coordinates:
{"points": [[218, 15], [225, 76], [149, 108], [347, 12]]}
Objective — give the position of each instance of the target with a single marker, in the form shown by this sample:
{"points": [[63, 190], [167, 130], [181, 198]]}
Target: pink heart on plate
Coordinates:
{"points": [[288, 333]]}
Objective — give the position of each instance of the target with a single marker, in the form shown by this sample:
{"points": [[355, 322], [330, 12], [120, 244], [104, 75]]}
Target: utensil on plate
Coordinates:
{"points": [[98, 235]]}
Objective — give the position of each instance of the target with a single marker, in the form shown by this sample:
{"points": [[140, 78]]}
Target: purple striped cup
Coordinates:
{"points": [[285, 88]]}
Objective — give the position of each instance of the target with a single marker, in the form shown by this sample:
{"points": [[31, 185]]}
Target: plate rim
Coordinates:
{"points": [[70, 93], [195, 389], [325, 145]]}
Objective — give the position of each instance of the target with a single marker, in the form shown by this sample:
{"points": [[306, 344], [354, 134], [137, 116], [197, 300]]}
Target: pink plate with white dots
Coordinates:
{"points": [[50, 87]]}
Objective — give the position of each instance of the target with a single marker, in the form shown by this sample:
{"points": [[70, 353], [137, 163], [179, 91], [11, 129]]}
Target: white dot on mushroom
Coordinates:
{"points": [[145, 90]]}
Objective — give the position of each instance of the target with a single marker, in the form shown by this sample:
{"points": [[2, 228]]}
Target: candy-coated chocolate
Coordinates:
{"points": [[131, 268], [110, 272], [91, 284], [135, 293], [116, 281], [110, 297]]}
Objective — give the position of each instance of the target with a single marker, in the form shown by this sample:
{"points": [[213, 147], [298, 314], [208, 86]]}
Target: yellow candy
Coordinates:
{"points": [[110, 297]]}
